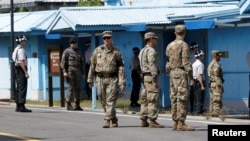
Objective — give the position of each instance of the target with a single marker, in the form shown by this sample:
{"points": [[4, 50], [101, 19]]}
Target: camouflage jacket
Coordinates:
{"points": [[107, 61], [148, 61], [178, 57], [215, 72], [72, 57]]}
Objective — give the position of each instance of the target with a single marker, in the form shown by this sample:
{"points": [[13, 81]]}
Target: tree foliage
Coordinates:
{"points": [[90, 3]]}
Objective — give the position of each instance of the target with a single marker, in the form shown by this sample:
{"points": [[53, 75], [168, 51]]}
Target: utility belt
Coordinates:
{"points": [[106, 75], [74, 66], [146, 74], [182, 68]]}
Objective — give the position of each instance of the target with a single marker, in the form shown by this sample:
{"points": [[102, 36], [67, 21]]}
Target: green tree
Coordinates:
{"points": [[90, 3]]}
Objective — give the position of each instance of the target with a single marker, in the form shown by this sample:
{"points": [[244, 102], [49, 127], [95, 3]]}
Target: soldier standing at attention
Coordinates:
{"points": [[107, 70], [215, 84], [150, 90], [179, 70], [73, 70], [19, 56], [136, 78]]}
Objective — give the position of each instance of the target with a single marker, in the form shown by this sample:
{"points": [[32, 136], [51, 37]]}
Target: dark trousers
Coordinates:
{"points": [[198, 98], [136, 86], [21, 86]]}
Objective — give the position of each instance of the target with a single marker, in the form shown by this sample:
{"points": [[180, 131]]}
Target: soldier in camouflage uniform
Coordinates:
{"points": [[179, 69], [150, 90], [215, 85], [107, 70], [73, 70]]}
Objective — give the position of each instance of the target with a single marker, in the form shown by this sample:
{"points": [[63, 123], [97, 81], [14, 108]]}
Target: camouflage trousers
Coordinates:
{"points": [[216, 91], [73, 85], [179, 94], [107, 89], [149, 99]]}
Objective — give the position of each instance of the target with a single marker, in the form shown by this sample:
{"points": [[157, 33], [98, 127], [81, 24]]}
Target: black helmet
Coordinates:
{"points": [[194, 45], [20, 38], [136, 50]]}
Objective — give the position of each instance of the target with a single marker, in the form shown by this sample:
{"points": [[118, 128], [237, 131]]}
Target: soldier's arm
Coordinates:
{"points": [[91, 73], [153, 64], [186, 61], [121, 74]]}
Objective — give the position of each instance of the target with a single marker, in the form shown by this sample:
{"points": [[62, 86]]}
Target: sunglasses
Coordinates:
{"points": [[104, 38]]}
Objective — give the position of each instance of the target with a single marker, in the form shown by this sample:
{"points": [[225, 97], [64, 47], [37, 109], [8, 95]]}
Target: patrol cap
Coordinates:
{"points": [[149, 35], [136, 50], [20, 38], [215, 52], [72, 40], [194, 45], [106, 34], [180, 28], [198, 53]]}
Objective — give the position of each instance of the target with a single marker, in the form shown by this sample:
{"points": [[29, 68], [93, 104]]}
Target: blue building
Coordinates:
{"points": [[222, 26]]}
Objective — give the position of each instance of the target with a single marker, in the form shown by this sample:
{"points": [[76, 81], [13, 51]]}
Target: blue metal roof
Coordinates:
{"points": [[121, 17], [27, 21]]}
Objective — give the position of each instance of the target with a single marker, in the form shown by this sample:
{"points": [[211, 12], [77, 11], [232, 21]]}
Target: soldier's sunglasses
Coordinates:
{"points": [[104, 38]]}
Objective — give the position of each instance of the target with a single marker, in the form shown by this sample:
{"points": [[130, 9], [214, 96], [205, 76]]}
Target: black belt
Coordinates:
{"points": [[106, 75], [146, 74]]}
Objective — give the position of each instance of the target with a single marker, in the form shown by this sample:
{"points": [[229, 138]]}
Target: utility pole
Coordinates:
{"points": [[12, 75]]}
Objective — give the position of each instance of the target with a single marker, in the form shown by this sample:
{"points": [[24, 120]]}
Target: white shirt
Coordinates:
{"points": [[198, 68], [192, 58], [19, 54]]}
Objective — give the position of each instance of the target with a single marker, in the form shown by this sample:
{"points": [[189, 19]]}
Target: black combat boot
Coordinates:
{"points": [[77, 107], [23, 108], [69, 106], [17, 107]]}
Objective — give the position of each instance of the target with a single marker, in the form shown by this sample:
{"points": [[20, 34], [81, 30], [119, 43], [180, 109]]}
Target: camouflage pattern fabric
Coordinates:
{"points": [[179, 68], [107, 62], [72, 63], [215, 87], [150, 92]]}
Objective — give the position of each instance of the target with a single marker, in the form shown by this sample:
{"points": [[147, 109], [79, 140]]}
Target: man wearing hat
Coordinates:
{"points": [[215, 84], [180, 68], [107, 71], [74, 71], [194, 46], [150, 90], [19, 56], [199, 83], [136, 79]]}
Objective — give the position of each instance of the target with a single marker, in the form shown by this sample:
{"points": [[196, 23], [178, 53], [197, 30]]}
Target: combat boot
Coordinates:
{"points": [[78, 107], [115, 122], [69, 106], [106, 123], [175, 125], [154, 124], [183, 127], [17, 107], [144, 123], [23, 108]]}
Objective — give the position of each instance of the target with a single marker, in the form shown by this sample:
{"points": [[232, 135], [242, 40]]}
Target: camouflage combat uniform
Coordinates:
{"points": [[215, 87], [107, 69], [72, 63], [149, 93]]}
